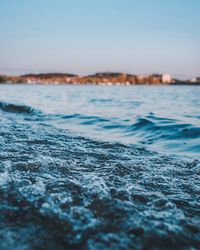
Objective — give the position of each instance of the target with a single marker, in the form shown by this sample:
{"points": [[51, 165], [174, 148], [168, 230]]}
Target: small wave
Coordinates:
{"points": [[165, 134], [153, 121], [168, 128], [85, 119], [17, 108], [101, 100], [151, 129], [142, 122]]}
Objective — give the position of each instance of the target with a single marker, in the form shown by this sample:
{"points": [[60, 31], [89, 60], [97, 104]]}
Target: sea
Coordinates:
{"points": [[99, 167]]}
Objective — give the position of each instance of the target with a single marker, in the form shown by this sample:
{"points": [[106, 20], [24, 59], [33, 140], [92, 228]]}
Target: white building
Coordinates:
{"points": [[166, 78], [193, 79]]}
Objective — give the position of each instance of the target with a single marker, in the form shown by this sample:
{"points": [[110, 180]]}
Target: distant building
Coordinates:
{"points": [[193, 79], [166, 78], [155, 79]]}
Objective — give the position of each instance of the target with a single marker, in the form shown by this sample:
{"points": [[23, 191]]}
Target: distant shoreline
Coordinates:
{"points": [[101, 84], [106, 78]]}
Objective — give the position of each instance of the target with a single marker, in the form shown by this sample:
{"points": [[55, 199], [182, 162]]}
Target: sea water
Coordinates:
{"points": [[99, 167]]}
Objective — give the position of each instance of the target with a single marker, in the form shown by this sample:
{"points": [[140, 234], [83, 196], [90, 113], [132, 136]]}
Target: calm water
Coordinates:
{"points": [[99, 167]]}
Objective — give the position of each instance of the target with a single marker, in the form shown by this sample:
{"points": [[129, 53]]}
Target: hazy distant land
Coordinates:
{"points": [[107, 78]]}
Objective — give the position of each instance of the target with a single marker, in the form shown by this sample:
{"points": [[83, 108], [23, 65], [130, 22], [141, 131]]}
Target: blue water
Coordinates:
{"points": [[99, 167]]}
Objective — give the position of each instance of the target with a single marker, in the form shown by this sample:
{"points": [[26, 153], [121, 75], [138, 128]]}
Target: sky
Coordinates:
{"points": [[88, 36]]}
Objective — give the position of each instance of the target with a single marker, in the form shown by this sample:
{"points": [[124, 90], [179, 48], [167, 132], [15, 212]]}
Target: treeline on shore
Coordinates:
{"points": [[96, 79]]}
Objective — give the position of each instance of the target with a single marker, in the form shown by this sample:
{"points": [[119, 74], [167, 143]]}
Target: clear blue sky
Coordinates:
{"points": [[86, 36]]}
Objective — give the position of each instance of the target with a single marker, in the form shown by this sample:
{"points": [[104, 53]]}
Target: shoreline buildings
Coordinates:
{"points": [[166, 78], [106, 78]]}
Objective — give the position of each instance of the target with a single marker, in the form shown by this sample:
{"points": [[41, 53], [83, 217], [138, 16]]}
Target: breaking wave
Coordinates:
{"points": [[80, 193], [16, 108]]}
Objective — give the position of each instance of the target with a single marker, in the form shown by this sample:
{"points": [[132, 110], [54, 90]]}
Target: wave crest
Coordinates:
{"points": [[17, 108]]}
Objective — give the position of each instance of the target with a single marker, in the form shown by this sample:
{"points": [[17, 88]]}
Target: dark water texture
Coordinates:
{"points": [[99, 167]]}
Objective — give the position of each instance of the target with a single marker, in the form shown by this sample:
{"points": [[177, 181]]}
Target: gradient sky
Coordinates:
{"points": [[86, 36]]}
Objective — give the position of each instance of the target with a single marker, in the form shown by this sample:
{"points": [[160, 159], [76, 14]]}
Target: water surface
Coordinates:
{"points": [[98, 167]]}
